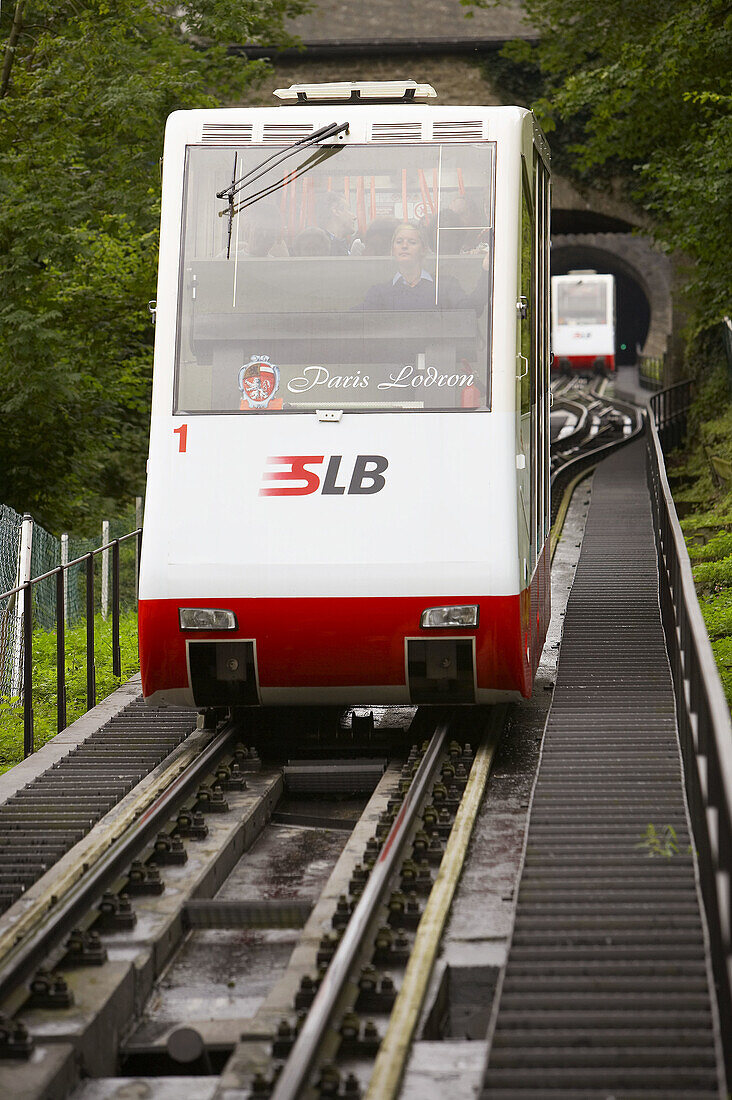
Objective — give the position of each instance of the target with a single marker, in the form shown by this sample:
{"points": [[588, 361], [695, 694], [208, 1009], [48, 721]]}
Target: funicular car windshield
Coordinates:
{"points": [[582, 303], [358, 278]]}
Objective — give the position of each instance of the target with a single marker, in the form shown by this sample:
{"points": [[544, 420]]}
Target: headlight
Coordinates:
{"points": [[206, 618], [441, 617]]}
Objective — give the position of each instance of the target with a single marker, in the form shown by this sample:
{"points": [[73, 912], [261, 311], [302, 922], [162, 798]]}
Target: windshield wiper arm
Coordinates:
{"points": [[331, 130], [273, 161], [307, 165], [231, 210], [246, 200]]}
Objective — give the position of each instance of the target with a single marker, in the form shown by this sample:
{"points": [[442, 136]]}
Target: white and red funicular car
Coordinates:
{"points": [[348, 482], [583, 323]]}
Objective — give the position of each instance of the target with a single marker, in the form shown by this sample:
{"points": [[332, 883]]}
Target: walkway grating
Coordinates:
{"points": [[41, 822], [606, 992]]}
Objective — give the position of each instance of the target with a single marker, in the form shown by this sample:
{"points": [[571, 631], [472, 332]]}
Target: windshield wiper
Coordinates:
{"points": [[249, 199], [306, 166], [271, 162], [331, 130]]}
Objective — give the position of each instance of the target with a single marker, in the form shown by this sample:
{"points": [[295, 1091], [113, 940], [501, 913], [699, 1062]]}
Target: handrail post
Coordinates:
{"points": [[65, 561], [27, 669], [91, 679], [116, 653], [60, 649], [105, 570]]}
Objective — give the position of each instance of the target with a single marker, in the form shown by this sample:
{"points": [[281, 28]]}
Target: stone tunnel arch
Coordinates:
{"points": [[600, 231], [643, 284]]}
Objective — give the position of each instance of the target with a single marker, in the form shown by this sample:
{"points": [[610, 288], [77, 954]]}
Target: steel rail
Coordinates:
{"points": [[578, 401], [560, 388], [24, 957], [556, 530], [592, 455], [559, 445], [394, 1050], [292, 1081]]}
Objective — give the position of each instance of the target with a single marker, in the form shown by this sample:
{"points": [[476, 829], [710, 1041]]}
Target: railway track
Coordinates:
{"points": [[183, 844], [601, 425], [332, 1008]]}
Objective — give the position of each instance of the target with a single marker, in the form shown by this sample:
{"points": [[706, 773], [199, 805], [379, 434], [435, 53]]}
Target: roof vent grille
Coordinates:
{"points": [[226, 133], [396, 131], [457, 131], [284, 133]]}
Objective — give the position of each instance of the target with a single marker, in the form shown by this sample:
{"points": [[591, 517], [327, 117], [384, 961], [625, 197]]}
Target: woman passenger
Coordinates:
{"points": [[412, 287]]}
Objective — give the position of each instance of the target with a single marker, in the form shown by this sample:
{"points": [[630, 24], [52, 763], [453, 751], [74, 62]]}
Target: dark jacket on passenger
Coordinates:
{"points": [[398, 294]]}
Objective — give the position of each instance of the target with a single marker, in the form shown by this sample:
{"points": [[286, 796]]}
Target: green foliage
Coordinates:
{"points": [[717, 612], [722, 650], [708, 529], [44, 681], [661, 843], [81, 125], [718, 546], [516, 72], [710, 436], [713, 576], [643, 92]]}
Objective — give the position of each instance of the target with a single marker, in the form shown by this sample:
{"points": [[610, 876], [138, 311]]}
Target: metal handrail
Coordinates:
{"points": [[26, 589], [705, 730], [69, 564], [670, 409]]}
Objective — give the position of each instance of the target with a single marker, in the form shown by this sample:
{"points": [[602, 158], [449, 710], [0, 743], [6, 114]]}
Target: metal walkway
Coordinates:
{"points": [[607, 988], [43, 820]]}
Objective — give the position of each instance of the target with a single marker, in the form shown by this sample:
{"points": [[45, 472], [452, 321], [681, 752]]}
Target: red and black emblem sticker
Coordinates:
{"points": [[259, 380]]}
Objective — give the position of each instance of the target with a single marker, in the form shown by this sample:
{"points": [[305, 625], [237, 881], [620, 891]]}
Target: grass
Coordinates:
{"points": [[44, 681], [706, 503]]}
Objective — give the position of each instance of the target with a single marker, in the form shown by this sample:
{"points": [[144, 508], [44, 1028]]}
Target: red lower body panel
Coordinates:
{"points": [[585, 362], [331, 642]]}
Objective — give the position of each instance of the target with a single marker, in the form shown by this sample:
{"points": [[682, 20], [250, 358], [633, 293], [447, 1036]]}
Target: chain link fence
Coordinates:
{"points": [[10, 526], [47, 552]]}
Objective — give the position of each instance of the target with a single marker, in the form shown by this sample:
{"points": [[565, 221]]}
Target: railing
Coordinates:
{"points": [[670, 410], [26, 592], [705, 730]]}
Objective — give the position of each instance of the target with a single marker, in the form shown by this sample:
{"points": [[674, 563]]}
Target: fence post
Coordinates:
{"points": [[65, 561], [105, 570], [116, 652], [91, 674], [61, 645], [28, 746], [23, 575]]}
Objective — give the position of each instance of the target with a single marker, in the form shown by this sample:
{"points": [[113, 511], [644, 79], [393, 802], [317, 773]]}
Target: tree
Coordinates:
{"points": [[644, 92], [85, 88]]}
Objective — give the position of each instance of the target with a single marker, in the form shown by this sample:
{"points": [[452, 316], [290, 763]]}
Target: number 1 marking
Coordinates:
{"points": [[182, 432]]}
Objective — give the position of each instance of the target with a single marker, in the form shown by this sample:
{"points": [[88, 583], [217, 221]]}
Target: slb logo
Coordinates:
{"points": [[366, 476]]}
